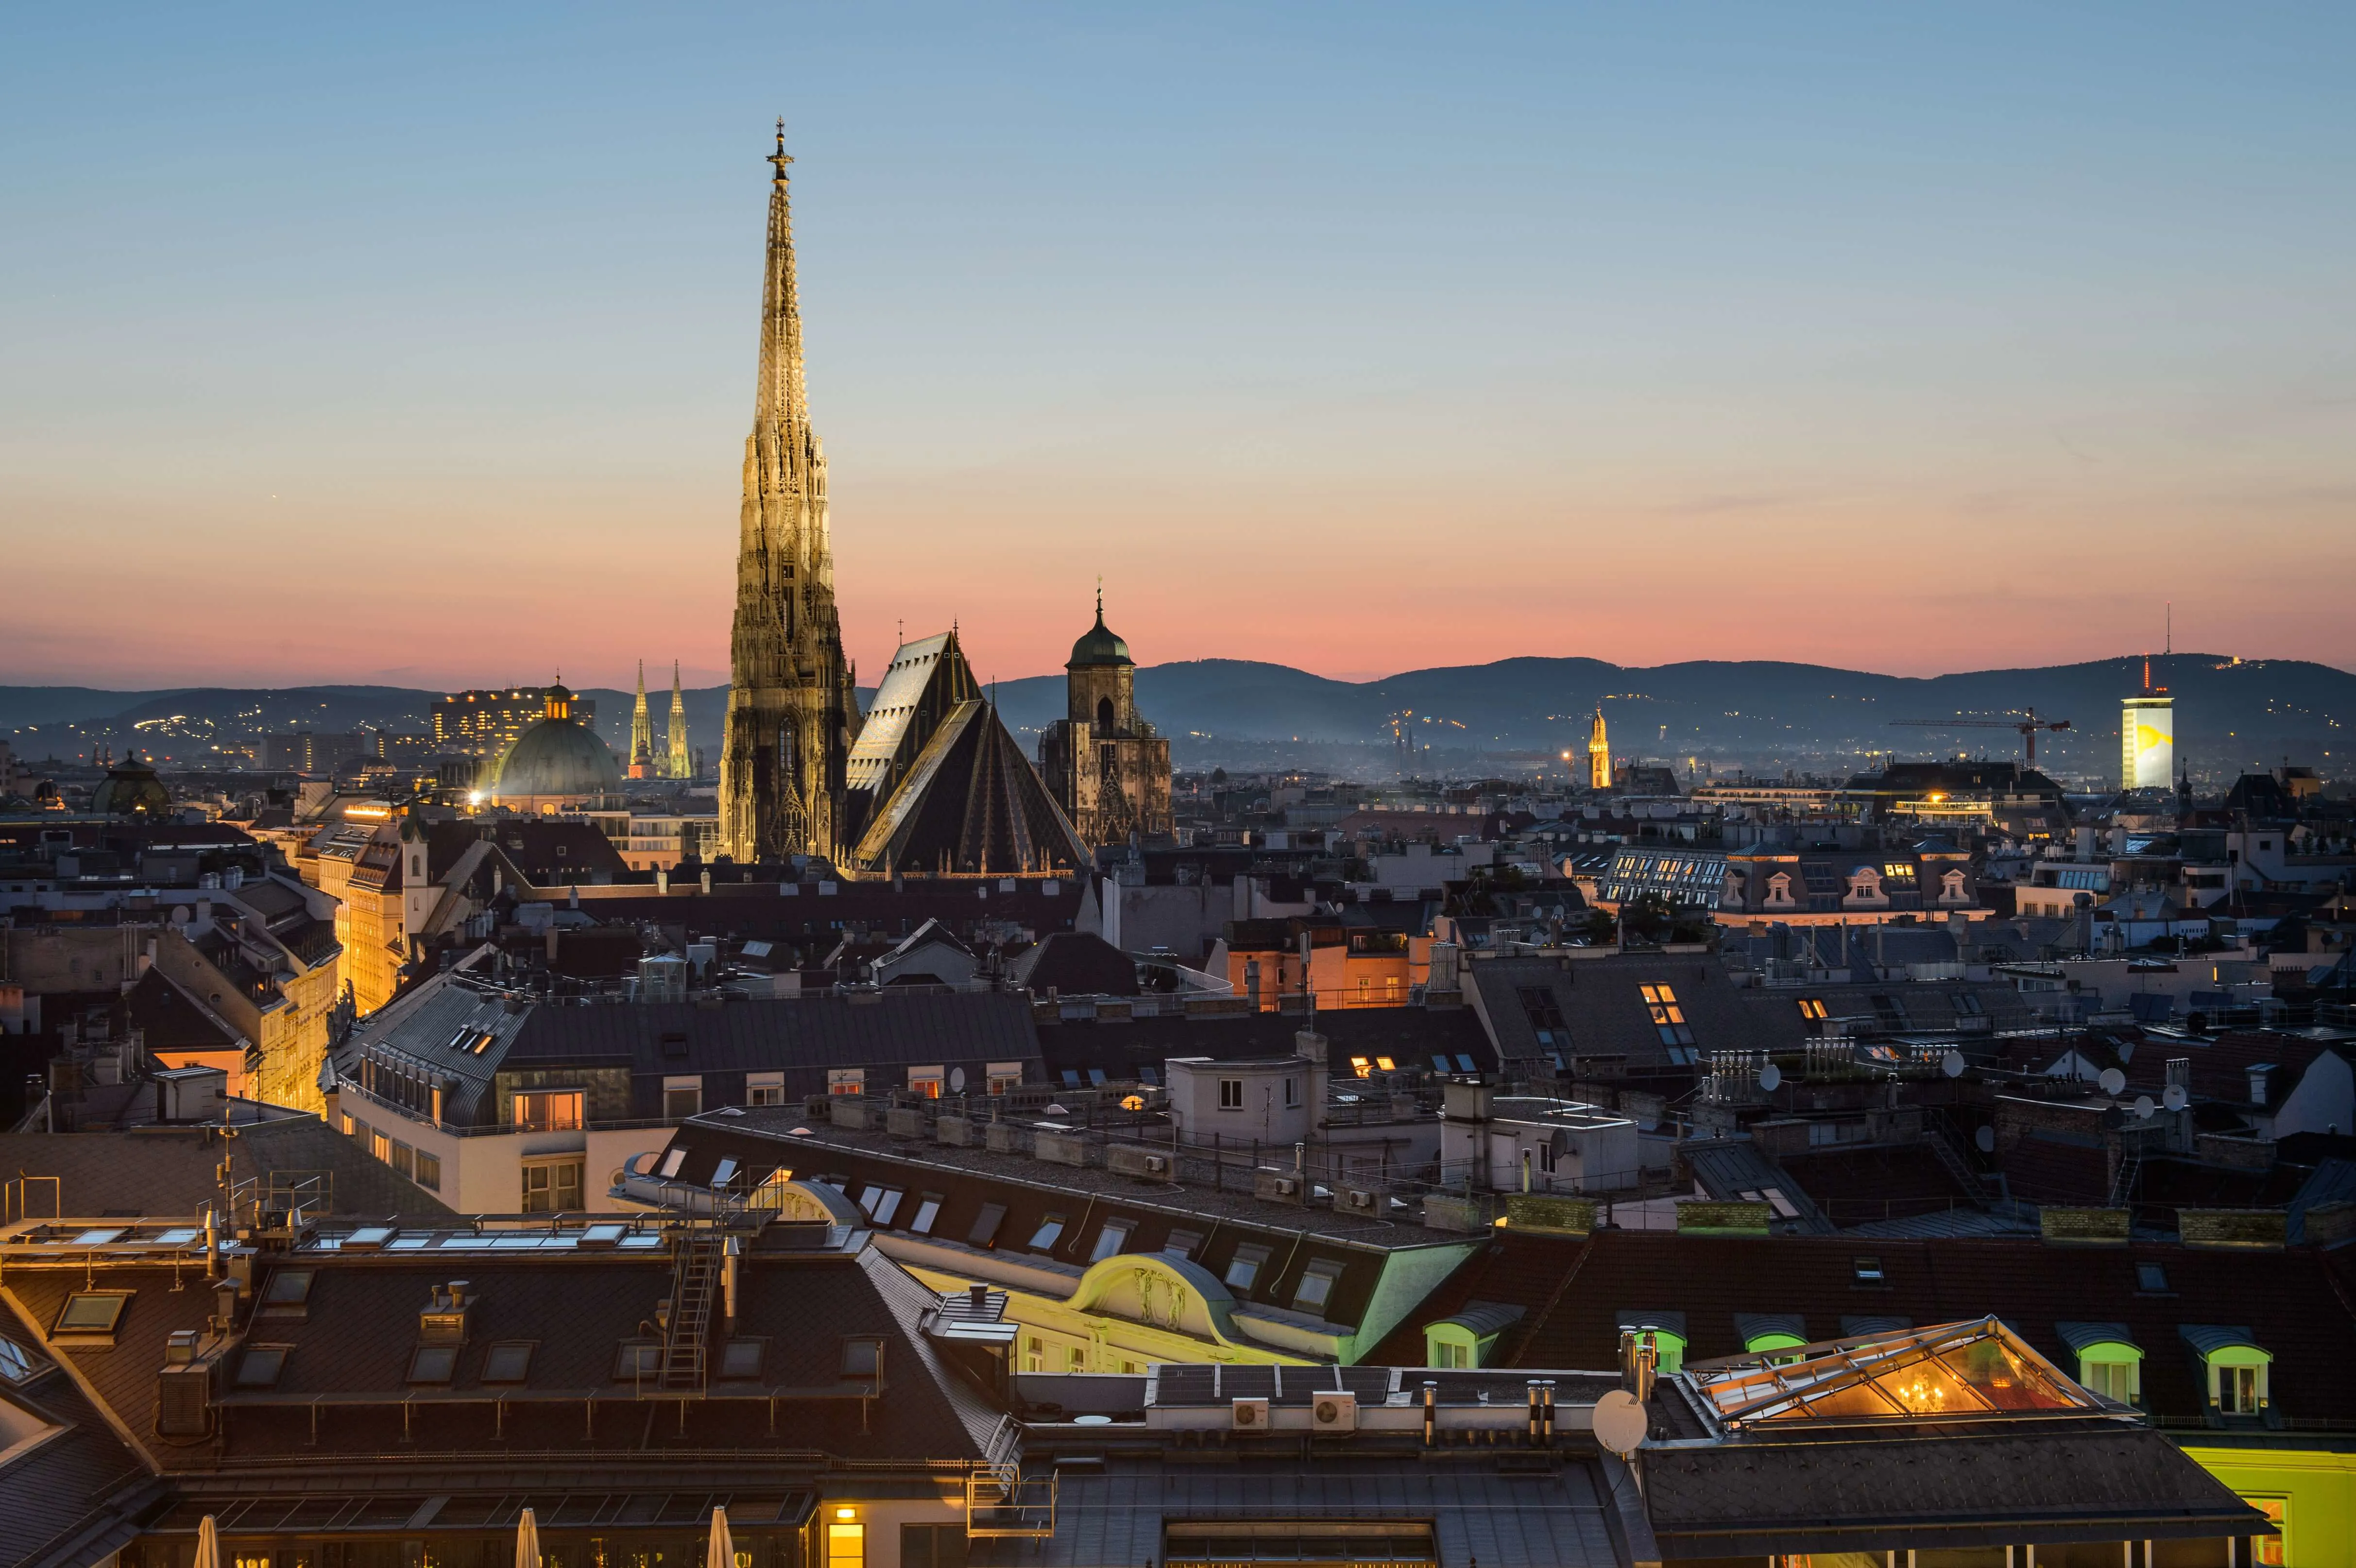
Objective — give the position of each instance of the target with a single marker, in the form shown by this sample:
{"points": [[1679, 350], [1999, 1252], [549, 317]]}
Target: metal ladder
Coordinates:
{"points": [[695, 1279]]}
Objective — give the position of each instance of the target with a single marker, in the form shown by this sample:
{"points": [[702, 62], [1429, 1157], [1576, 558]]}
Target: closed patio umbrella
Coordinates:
{"points": [[527, 1541], [721, 1550], [208, 1544]]}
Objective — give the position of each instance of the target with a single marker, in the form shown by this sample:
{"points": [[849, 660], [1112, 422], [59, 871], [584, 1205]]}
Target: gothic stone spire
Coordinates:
{"points": [[792, 711]]}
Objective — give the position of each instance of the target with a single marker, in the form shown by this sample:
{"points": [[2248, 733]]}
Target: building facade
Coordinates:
{"points": [[792, 710]]}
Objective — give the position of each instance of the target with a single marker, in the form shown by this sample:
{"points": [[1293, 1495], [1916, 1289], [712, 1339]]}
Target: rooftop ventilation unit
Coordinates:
{"points": [[1333, 1413], [1248, 1414], [1360, 1200]]}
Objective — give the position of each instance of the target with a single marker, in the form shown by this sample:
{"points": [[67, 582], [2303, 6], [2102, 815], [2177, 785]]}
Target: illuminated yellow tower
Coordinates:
{"points": [[1599, 754]]}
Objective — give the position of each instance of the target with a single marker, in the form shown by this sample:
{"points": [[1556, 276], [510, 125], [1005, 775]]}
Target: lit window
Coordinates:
{"points": [[508, 1362], [1244, 1268], [261, 1366], [846, 1546], [1359, 1066], [1812, 1008], [558, 1112], [432, 1363], [1050, 1231], [765, 1088], [928, 1209], [1385, 1064], [1668, 1016]]}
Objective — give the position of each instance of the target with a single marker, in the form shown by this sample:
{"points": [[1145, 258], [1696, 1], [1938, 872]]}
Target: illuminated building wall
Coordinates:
{"points": [[2147, 743]]}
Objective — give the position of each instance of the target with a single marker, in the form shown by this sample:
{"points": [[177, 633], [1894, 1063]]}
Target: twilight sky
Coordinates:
{"points": [[415, 345]]}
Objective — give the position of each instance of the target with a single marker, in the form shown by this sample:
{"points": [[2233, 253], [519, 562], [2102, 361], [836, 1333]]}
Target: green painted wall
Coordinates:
{"points": [[2319, 1524]]}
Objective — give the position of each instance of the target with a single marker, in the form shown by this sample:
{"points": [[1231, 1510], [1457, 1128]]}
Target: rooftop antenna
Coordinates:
{"points": [[2167, 645]]}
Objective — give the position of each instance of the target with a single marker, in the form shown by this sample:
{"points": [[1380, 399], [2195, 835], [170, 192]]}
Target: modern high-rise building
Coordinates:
{"points": [[2147, 737], [793, 711]]}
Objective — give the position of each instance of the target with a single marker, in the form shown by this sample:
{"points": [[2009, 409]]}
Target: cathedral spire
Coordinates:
{"points": [[791, 715], [676, 765], [642, 733]]}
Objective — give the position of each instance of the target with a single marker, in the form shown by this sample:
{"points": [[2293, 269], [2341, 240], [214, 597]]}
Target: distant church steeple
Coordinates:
{"points": [[642, 733], [1599, 754], [679, 767]]}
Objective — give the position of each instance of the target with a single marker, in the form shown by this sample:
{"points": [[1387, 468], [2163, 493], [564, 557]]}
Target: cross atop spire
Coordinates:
{"points": [[1100, 597], [780, 158]]}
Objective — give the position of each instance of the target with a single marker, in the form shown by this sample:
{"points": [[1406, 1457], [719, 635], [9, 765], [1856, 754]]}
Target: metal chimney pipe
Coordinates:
{"points": [[1431, 1413]]}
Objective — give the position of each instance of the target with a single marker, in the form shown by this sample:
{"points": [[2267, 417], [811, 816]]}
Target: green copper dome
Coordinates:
{"points": [[1098, 645], [558, 756], [130, 789]]}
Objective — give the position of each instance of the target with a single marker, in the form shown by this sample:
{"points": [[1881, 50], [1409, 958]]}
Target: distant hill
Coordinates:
{"points": [[1754, 713]]}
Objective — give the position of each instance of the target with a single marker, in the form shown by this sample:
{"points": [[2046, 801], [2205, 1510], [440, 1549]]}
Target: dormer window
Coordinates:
{"points": [[508, 1361], [432, 1363], [1243, 1269], [261, 1365]]}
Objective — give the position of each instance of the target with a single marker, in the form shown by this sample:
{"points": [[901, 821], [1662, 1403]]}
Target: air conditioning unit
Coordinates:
{"points": [[1362, 1200], [1249, 1415], [1333, 1413], [1157, 1164]]}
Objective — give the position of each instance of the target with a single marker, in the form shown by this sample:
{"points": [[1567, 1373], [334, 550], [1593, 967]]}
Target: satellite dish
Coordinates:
{"points": [[2113, 1081], [1771, 1078], [957, 1079], [1055, 1111], [2144, 1107], [2174, 1098], [1985, 1140], [1952, 1064], [1620, 1422]]}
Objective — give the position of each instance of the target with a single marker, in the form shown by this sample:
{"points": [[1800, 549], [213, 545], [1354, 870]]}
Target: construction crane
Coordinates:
{"points": [[2028, 726]]}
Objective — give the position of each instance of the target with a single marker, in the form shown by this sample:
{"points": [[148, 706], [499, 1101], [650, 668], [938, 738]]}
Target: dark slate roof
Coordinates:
{"points": [[2288, 1299], [1551, 1518], [1409, 1036], [168, 1172], [1605, 1013], [350, 1348], [802, 1037], [1076, 964], [2076, 1483], [72, 1499], [169, 1019]]}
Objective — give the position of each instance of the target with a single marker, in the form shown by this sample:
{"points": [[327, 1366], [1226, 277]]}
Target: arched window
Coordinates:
{"points": [[1104, 714]]}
